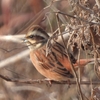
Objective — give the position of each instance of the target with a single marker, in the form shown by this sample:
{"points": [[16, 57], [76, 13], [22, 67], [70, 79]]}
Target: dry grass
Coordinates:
{"points": [[79, 19]]}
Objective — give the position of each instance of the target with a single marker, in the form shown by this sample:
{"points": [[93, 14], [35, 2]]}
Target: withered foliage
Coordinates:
{"points": [[75, 21]]}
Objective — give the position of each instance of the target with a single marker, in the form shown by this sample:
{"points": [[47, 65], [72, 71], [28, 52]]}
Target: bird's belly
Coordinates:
{"points": [[50, 74]]}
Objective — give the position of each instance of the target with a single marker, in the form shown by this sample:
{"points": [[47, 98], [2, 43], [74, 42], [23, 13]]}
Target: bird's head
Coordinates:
{"points": [[36, 37]]}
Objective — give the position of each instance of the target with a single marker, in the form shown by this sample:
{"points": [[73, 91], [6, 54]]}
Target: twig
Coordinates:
{"points": [[45, 81], [98, 3], [85, 8], [34, 21], [61, 17], [48, 19], [78, 18]]}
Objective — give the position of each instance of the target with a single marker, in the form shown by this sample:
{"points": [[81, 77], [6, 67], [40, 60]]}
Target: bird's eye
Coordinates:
{"points": [[31, 36]]}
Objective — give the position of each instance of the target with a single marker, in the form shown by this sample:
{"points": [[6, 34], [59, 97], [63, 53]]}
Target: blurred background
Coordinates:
{"points": [[16, 16]]}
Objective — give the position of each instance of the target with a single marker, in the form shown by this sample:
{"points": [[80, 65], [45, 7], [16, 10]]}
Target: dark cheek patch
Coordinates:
{"points": [[39, 38]]}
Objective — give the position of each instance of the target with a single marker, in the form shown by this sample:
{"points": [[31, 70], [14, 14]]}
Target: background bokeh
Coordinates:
{"points": [[16, 16]]}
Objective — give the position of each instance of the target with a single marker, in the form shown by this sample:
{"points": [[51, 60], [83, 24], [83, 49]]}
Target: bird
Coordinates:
{"points": [[54, 66]]}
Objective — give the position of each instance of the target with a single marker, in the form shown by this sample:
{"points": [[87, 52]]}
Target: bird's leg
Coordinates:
{"points": [[49, 81], [69, 83]]}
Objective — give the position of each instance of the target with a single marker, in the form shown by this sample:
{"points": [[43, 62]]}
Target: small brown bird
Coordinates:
{"points": [[56, 65]]}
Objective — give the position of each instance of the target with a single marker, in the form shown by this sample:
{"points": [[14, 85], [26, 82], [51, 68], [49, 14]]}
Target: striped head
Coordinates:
{"points": [[36, 37]]}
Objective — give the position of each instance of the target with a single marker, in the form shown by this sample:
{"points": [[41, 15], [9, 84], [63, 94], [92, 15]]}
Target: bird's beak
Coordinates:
{"points": [[24, 40]]}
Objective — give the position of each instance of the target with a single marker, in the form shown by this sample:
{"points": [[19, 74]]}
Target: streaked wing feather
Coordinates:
{"points": [[54, 63]]}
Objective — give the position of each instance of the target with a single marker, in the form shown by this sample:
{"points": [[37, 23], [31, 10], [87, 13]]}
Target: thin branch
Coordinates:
{"points": [[98, 3], [78, 18], [46, 81], [54, 9], [85, 8]]}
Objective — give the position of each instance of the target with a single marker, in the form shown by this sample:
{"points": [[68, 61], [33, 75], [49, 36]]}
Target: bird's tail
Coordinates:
{"points": [[83, 62]]}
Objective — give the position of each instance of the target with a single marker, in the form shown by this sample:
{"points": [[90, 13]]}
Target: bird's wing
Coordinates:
{"points": [[55, 60]]}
